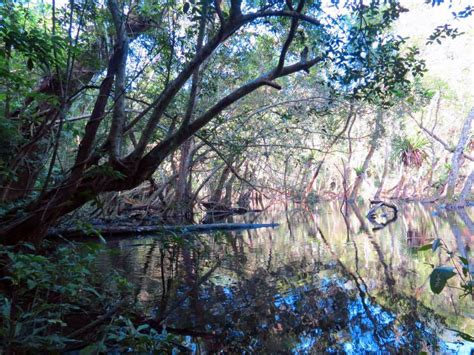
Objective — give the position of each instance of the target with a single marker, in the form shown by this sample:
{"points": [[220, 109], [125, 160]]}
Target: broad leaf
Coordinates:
{"points": [[425, 247], [439, 277]]}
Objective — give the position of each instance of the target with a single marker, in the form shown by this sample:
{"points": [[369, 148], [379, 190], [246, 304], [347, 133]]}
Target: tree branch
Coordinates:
{"points": [[118, 116], [217, 5], [162, 102], [149, 162], [437, 138]]}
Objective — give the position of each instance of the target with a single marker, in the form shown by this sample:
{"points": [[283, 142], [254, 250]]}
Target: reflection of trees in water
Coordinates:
{"points": [[410, 317], [293, 306], [389, 279], [418, 225], [277, 292]]}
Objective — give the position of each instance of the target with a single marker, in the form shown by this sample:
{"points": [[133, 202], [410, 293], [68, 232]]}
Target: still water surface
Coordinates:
{"points": [[317, 283]]}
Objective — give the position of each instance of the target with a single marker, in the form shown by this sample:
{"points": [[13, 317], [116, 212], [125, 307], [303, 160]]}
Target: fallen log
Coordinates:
{"points": [[118, 231]]}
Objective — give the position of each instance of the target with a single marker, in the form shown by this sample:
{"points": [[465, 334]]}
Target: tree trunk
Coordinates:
{"points": [[373, 144], [456, 159], [87, 180], [184, 174], [384, 174], [360, 177], [29, 161], [467, 189], [227, 201], [217, 193], [351, 117]]}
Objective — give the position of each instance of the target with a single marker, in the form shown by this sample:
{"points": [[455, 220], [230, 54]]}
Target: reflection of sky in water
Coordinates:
{"points": [[459, 347], [363, 321], [365, 334], [368, 335]]}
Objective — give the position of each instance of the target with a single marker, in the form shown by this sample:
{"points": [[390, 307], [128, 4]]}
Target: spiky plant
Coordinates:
{"points": [[410, 150]]}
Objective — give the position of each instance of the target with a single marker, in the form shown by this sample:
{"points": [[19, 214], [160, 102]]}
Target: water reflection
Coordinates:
{"points": [[322, 281]]}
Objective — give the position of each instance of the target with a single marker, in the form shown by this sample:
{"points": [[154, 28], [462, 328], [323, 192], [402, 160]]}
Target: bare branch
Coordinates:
{"points": [[229, 164], [118, 116], [280, 13], [272, 84], [162, 102], [437, 138], [195, 78]]}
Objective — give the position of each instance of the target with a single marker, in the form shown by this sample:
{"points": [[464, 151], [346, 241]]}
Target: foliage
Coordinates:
{"points": [[442, 273], [359, 170], [443, 177], [51, 296], [411, 150], [99, 141], [447, 30]]}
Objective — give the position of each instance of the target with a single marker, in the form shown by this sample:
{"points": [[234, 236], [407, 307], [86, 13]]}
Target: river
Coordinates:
{"points": [[322, 281]]}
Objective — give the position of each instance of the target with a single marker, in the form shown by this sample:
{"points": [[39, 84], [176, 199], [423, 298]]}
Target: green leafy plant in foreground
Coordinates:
{"points": [[49, 300], [441, 274]]}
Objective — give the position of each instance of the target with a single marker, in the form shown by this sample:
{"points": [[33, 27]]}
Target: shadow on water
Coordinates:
{"points": [[323, 281]]}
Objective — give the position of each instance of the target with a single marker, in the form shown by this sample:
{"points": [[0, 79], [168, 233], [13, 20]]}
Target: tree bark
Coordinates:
{"points": [[227, 201], [217, 193], [456, 159], [467, 189], [373, 144], [384, 174], [360, 177], [184, 174], [118, 117]]}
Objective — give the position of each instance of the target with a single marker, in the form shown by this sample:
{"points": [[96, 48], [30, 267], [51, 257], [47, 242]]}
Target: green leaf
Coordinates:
{"points": [[439, 277], [464, 260], [426, 247]]}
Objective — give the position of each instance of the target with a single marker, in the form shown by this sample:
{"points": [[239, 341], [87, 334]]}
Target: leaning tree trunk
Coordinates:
{"points": [[86, 179], [183, 191], [28, 161], [456, 159]]}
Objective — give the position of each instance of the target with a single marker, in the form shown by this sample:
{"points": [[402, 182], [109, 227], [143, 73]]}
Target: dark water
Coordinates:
{"points": [[317, 283]]}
